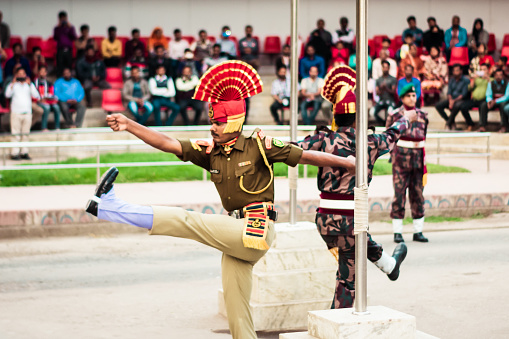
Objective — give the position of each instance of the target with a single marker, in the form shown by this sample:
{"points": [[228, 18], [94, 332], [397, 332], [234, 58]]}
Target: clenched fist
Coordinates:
{"points": [[117, 122], [411, 115]]}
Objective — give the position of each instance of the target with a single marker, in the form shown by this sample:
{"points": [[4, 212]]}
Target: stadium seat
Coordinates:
{"points": [[378, 39], [123, 40], [492, 43], [9, 53], [98, 42], [396, 43], [114, 77], [16, 39], [212, 39], [272, 45], [506, 40], [505, 52], [49, 48], [4, 110], [144, 39], [33, 41], [459, 55], [112, 101], [190, 39]]}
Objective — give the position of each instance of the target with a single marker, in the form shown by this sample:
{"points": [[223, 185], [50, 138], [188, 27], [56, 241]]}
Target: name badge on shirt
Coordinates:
{"points": [[214, 171], [245, 163]]}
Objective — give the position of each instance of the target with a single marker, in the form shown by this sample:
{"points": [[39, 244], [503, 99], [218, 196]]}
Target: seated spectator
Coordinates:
{"points": [[284, 59], [185, 91], [17, 60], [159, 59], [352, 62], [156, 39], [436, 70], [310, 60], [111, 48], [455, 36], [162, 89], [414, 30], [137, 95], [64, 35], [84, 41], [386, 46], [457, 93], [378, 65], [386, 91], [478, 86], [344, 34], [189, 61], [91, 72], [434, 36], [139, 61], [403, 51], [410, 79], [340, 53], [502, 64], [310, 90], [178, 46], [214, 59], [48, 101], [37, 61], [21, 91], [478, 36], [481, 58], [202, 48], [70, 94], [497, 96], [249, 48], [280, 91], [324, 34], [132, 45], [412, 59], [320, 47], [228, 48]]}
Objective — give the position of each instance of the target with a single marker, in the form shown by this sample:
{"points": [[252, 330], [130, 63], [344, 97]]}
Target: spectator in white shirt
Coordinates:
{"points": [[377, 65], [21, 91], [311, 88], [163, 90], [344, 34], [185, 90], [214, 59], [281, 93], [178, 46]]}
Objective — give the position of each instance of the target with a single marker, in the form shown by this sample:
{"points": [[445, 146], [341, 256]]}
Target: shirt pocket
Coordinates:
{"points": [[216, 177], [244, 170]]}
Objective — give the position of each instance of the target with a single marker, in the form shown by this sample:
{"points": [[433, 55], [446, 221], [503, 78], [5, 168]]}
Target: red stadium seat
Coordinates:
{"points": [[190, 39], [459, 55], [49, 48], [371, 45], [112, 101], [272, 45], [16, 39], [505, 52], [98, 43], [144, 39], [33, 41], [378, 39], [9, 53], [396, 43], [123, 40], [4, 110], [114, 77], [212, 39], [492, 43], [506, 40]]}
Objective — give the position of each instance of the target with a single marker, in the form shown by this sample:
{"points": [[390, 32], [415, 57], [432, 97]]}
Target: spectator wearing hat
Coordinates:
{"points": [[434, 36], [457, 93], [111, 48], [414, 30], [497, 96]]}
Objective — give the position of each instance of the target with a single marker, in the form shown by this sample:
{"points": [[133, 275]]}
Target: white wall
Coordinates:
{"points": [[269, 17]]}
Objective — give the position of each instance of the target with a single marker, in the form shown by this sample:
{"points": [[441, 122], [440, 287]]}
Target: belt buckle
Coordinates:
{"points": [[276, 214]]}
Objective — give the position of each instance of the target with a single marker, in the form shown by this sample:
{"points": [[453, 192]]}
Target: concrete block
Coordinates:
{"points": [[301, 235], [296, 335], [422, 335], [380, 323], [277, 260]]}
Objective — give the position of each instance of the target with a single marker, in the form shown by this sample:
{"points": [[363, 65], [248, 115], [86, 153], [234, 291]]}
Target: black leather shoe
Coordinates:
{"points": [[103, 187], [398, 238], [399, 254], [25, 156], [420, 238], [15, 157]]}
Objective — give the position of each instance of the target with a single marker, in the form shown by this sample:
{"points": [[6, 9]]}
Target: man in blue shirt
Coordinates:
{"points": [[310, 60], [70, 94], [455, 36], [410, 79], [412, 29], [228, 48], [497, 96], [456, 95]]}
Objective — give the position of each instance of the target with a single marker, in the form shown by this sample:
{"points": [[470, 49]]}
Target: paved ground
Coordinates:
{"points": [[134, 286]]}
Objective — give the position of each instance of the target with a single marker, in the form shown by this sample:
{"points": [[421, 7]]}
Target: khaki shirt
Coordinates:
{"points": [[245, 160]]}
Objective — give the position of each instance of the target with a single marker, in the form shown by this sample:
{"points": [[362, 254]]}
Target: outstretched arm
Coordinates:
{"points": [[119, 122], [321, 159]]}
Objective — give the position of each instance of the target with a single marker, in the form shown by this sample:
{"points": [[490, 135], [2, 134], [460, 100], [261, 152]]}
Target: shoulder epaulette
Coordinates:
{"points": [[204, 143]]}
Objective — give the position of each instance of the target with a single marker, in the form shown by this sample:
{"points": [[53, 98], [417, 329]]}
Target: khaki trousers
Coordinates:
{"points": [[20, 129], [225, 234]]}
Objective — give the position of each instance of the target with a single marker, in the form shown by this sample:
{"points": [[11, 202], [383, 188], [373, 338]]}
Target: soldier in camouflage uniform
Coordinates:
{"points": [[334, 219], [408, 167]]}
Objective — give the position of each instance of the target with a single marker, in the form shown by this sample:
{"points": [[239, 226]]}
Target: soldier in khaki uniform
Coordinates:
{"points": [[241, 169]]}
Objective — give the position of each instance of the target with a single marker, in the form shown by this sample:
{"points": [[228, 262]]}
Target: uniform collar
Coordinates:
{"points": [[239, 145]]}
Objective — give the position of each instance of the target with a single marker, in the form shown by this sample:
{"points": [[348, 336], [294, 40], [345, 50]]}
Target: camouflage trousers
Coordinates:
{"points": [[407, 172], [337, 231]]}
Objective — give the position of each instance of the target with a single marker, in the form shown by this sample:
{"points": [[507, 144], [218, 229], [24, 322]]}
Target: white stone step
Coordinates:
{"points": [[277, 260], [380, 323], [301, 235], [422, 335], [288, 286], [281, 316], [296, 335]]}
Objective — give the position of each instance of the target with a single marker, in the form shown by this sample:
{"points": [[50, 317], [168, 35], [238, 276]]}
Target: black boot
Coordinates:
{"points": [[420, 238], [103, 187], [398, 238], [399, 255]]}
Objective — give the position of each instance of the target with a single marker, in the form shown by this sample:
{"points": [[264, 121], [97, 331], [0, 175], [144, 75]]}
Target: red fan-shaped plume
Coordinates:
{"points": [[229, 80], [336, 80]]}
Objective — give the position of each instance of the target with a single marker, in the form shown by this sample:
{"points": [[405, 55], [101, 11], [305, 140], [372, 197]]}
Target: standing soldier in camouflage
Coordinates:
{"points": [[408, 167], [334, 219], [242, 170]]}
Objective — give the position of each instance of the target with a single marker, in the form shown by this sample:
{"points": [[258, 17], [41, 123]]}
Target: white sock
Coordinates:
{"points": [[397, 225], [418, 225], [386, 263]]}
